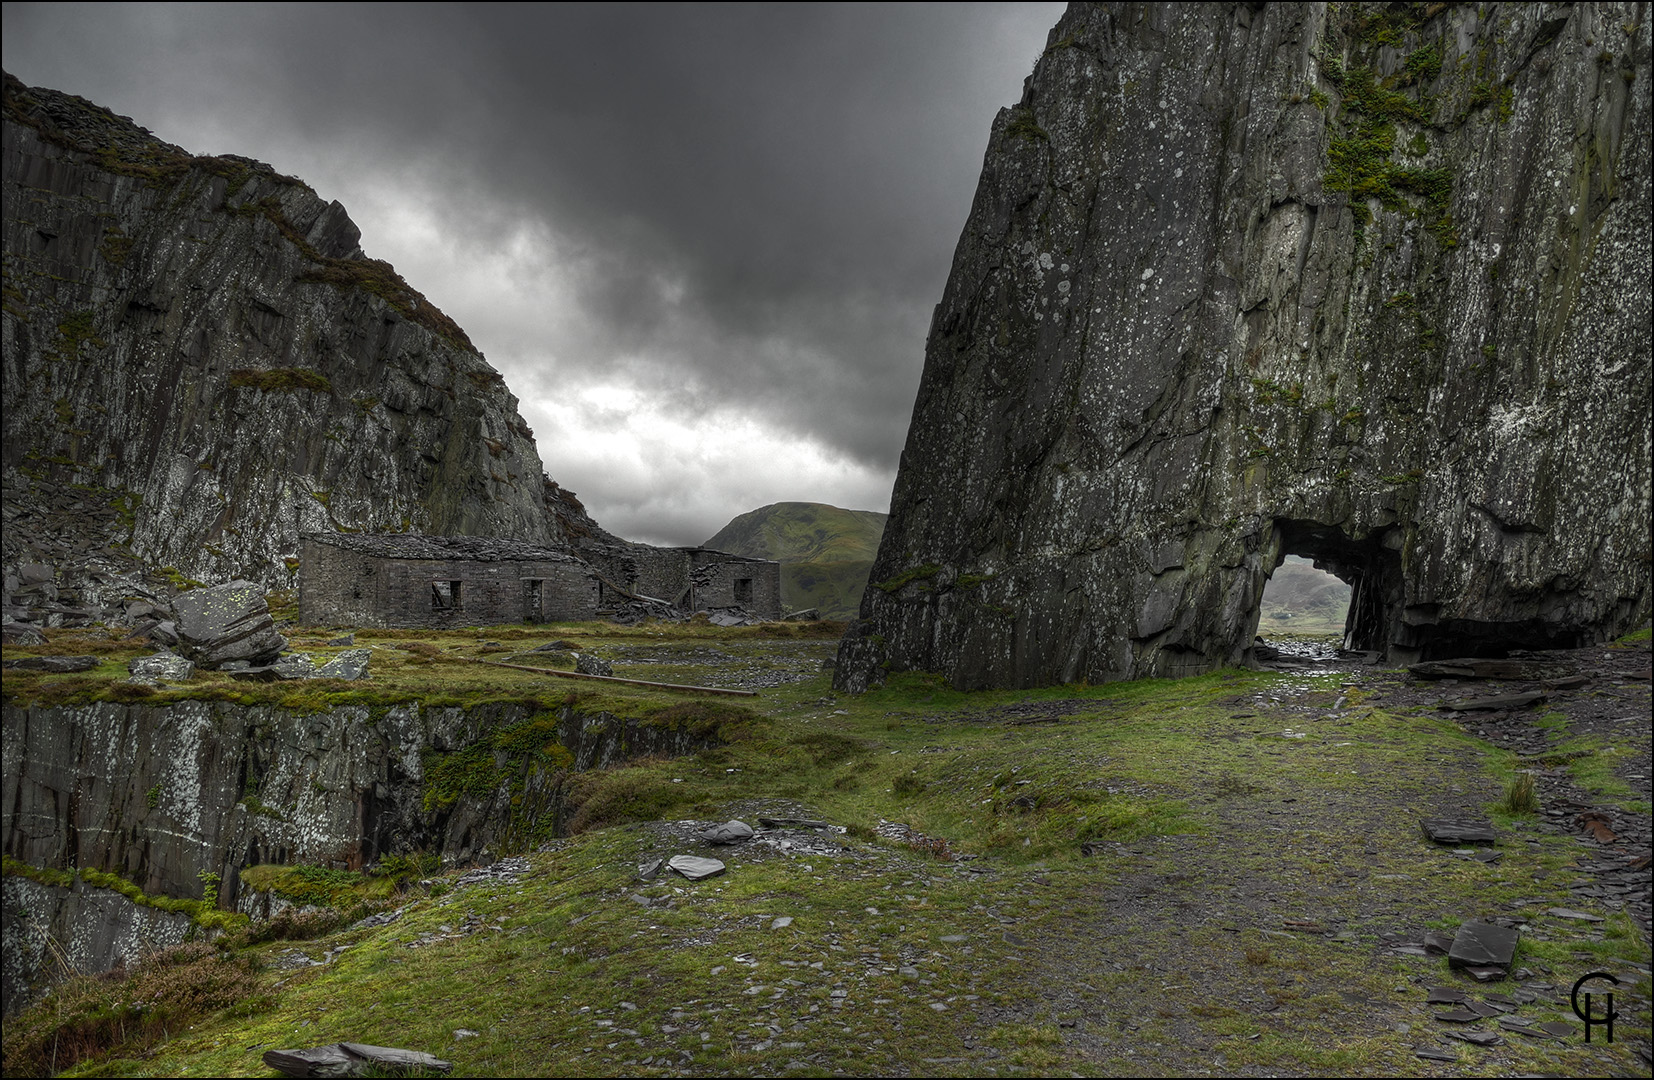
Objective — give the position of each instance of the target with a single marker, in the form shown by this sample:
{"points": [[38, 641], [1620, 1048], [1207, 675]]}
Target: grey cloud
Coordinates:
{"points": [[761, 200]]}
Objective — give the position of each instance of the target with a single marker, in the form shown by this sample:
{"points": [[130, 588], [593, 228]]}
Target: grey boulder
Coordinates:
{"points": [[694, 867], [587, 664], [226, 623], [162, 667], [730, 832], [351, 664]]}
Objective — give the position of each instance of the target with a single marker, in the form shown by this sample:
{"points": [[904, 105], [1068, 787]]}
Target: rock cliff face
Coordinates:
{"points": [[200, 364], [1362, 282], [159, 795]]}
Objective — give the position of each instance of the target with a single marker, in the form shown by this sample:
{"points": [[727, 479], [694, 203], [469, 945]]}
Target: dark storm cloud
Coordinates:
{"points": [[761, 201]]}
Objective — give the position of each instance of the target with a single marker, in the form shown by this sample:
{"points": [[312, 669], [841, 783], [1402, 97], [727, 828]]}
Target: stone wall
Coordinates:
{"points": [[721, 581], [339, 587]]}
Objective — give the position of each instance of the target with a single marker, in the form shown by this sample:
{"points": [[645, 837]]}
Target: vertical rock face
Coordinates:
{"points": [[1362, 282], [197, 347]]}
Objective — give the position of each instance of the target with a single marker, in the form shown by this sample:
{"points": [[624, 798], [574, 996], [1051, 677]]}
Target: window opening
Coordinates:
{"points": [[445, 595], [534, 600], [743, 590]]}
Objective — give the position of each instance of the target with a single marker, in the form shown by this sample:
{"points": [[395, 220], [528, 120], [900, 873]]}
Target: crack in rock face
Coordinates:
{"points": [[1358, 283]]}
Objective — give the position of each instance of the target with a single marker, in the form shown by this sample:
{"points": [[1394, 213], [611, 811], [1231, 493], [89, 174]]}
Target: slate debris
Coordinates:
{"points": [[1476, 668], [587, 664], [1438, 944]]}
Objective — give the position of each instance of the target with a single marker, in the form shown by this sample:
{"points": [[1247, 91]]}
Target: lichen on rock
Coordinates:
{"points": [[1361, 282]]}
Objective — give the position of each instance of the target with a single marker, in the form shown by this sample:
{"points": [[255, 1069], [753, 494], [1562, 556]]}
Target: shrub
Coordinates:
{"points": [[93, 1015]]}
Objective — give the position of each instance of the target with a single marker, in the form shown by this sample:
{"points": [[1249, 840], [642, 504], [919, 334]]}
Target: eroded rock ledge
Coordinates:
{"points": [[1361, 282]]}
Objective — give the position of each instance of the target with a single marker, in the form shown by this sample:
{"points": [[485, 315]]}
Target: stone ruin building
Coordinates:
{"points": [[406, 581]]}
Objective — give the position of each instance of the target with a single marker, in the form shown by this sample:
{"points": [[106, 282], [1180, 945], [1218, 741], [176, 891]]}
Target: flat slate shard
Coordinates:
{"points": [[1481, 944], [354, 1059], [1181, 340], [1494, 703], [1480, 669], [1459, 831], [1476, 1038], [59, 665], [694, 867]]}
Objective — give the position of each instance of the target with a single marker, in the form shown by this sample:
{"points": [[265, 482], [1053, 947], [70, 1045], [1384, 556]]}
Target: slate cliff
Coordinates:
{"points": [[200, 364], [1366, 283]]}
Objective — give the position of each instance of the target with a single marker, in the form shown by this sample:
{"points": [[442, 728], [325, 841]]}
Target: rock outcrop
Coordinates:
{"points": [[1362, 282], [200, 364], [162, 795]]}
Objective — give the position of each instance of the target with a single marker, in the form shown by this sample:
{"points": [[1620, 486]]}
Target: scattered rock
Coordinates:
{"points": [[1476, 1038], [792, 823], [34, 573], [347, 640], [16, 633], [807, 615], [1566, 913], [553, 646], [782, 923], [353, 1059], [1478, 669], [1438, 944]]}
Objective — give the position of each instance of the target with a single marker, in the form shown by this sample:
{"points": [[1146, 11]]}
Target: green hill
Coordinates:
{"points": [[826, 552], [1300, 600]]}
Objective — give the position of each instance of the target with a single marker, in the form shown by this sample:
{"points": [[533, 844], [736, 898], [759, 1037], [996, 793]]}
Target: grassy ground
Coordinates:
{"points": [[1161, 877]]}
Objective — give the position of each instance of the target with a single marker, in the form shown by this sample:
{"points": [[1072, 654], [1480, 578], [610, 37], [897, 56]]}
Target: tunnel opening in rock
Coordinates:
{"points": [[1380, 616], [1369, 567], [1300, 600]]}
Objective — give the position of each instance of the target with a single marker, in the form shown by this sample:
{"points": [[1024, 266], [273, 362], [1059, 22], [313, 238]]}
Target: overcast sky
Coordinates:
{"points": [[702, 243]]}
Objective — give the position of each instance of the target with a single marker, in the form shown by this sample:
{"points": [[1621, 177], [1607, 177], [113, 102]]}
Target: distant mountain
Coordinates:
{"points": [[826, 552], [1299, 599]]}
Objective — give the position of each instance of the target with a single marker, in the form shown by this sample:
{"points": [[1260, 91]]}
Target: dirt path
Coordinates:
{"points": [[1288, 938]]}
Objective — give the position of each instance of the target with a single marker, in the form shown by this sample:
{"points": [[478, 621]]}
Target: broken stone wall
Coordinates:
{"points": [[723, 581], [339, 587]]}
